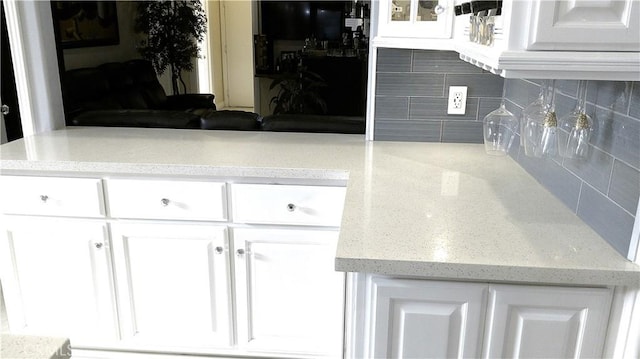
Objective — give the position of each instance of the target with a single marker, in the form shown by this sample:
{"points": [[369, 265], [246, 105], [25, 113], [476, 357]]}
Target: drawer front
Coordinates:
{"points": [[280, 204], [151, 199], [51, 196]]}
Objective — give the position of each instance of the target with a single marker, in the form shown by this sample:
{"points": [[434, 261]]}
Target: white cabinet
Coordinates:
{"points": [[173, 285], [415, 19], [584, 25], [411, 318], [57, 278], [582, 40], [289, 297], [426, 319], [546, 322]]}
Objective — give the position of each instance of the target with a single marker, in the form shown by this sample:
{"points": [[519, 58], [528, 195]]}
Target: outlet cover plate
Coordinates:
{"points": [[457, 104]]}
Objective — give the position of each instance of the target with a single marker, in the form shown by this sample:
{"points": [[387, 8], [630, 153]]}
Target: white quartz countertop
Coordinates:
{"points": [[430, 210], [33, 347]]}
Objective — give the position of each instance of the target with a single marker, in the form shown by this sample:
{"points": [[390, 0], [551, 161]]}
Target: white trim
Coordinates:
{"points": [[203, 63], [33, 51], [634, 246], [371, 72]]}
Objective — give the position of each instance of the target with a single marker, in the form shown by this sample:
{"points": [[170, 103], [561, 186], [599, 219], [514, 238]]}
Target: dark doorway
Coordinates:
{"points": [[8, 92]]}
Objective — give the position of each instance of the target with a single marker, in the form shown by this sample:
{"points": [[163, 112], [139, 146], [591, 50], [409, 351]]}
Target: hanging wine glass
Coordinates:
{"points": [[500, 127], [549, 139], [532, 122], [576, 128]]}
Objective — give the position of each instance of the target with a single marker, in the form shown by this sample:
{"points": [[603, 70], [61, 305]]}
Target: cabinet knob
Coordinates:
{"points": [[98, 245], [438, 9], [165, 202], [44, 198], [219, 250], [240, 252], [291, 207]]}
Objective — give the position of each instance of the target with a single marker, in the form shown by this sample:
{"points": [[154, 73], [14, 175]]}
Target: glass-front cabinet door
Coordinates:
{"points": [[415, 18]]}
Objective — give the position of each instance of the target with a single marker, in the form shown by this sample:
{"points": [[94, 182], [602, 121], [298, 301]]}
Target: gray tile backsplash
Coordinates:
{"points": [[424, 82], [604, 189], [411, 105]]}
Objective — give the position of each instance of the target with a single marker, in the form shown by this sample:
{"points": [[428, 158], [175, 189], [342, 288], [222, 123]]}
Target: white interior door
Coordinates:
{"points": [[237, 45]]}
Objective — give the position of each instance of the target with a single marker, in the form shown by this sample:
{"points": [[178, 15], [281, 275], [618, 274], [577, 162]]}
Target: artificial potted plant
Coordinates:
{"points": [[173, 29]]}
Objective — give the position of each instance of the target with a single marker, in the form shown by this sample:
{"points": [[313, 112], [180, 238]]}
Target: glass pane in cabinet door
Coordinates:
{"points": [[401, 10], [426, 11]]}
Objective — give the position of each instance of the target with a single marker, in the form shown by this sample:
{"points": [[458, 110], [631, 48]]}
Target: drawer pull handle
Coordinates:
{"points": [[240, 252], [219, 250], [98, 245], [291, 207], [164, 202], [44, 198]]}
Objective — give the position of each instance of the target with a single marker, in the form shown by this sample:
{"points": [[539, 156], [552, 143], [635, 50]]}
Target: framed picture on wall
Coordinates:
{"points": [[85, 23]]}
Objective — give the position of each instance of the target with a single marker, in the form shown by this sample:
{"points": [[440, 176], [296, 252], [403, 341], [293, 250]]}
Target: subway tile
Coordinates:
{"points": [[393, 60], [487, 105], [417, 131], [625, 186], [435, 108], [567, 87], [613, 95], [408, 84], [634, 108], [479, 85], [392, 107], [606, 218], [441, 62], [616, 134], [595, 170], [521, 92], [461, 131], [558, 180], [564, 105]]}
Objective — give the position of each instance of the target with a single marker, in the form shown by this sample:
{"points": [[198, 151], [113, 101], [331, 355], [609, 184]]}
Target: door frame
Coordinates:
{"points": [[29, 26]]}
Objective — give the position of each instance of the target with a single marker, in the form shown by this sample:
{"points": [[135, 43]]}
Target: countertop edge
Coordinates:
{"points": [[490, 273]]}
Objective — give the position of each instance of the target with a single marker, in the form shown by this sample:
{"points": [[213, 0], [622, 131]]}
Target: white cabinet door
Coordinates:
{"points": [[173, 284], [546, 322], [289, 297], [57, 278], [425, 319], [415, 19], [611, 25]]}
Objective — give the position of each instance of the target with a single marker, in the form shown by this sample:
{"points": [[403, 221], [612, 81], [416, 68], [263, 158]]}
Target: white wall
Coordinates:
{"points": [[215, 51], [237, 37]]}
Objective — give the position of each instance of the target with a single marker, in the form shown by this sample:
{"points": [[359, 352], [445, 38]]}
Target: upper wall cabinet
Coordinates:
{"points": [[585, 25], [415, 24], [578, 39]]}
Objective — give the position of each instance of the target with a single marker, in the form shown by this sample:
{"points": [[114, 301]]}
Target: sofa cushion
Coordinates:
{"points": [[230, 120], [135, 118], [314, 123]]}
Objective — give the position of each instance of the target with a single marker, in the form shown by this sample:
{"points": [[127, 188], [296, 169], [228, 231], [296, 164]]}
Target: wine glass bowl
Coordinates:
{"points": [[500, 127]]}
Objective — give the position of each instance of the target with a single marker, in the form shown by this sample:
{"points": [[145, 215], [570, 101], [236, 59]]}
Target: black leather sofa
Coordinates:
{"points": [[127, 94]]}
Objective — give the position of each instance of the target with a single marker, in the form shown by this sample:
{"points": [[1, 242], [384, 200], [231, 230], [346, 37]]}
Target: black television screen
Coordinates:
{"points": [[286, 20]]}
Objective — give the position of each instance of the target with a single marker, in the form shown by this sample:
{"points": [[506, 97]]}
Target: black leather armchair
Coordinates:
{"points": [[128, 94]]}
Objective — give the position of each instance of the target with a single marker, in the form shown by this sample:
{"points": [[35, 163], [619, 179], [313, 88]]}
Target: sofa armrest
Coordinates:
{"points": [[190, 101], [136, 118]]}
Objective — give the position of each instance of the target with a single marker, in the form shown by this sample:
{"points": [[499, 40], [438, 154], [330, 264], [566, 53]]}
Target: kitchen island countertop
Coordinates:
{"points": [[427, 210]]}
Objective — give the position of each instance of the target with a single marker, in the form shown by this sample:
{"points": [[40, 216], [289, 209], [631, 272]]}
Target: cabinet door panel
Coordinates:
{"points": [[57, 278], [425, 319], [289, 297], [415, 19], [173, 284], [611, 25], [546, 322]]}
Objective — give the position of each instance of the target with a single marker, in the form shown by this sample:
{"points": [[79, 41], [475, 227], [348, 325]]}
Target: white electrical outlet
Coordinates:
{"points": [[457, 100]]}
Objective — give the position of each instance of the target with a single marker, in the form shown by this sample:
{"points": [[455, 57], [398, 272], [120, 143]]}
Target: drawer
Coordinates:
{"points": [[51, 196], [284, 204], [156, 199]]}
